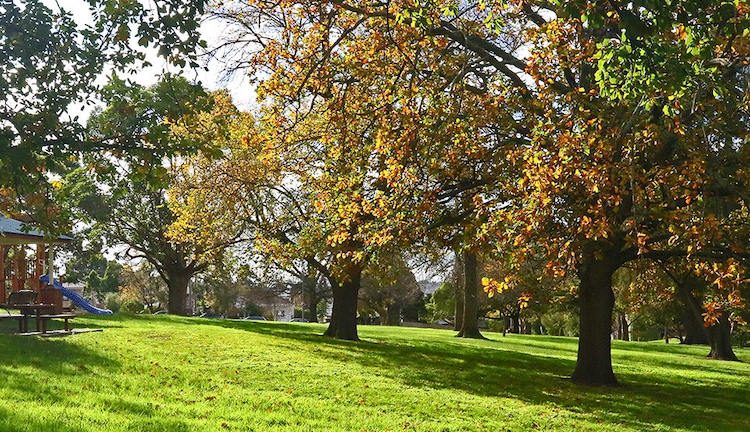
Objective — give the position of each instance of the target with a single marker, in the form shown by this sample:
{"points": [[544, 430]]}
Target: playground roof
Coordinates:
{"points": [[13, 231]]}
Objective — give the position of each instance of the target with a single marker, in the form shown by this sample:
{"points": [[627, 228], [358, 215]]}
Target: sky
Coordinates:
{"points": [[239, 87]]}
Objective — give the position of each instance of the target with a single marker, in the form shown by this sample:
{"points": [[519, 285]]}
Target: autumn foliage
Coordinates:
{"points": [[584, 135]]}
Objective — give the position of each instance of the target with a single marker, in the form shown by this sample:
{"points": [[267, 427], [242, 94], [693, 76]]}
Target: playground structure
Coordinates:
{"points": [[27, 264]]}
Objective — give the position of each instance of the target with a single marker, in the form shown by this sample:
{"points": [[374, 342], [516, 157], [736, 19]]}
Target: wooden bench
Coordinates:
{"points": [[18, 317], [64, 316]]}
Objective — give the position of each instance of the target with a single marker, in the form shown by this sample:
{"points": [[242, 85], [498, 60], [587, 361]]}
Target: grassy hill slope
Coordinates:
{"points": [[187, 374]]}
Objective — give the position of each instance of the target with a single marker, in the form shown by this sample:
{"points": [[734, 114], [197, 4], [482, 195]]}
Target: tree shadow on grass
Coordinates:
{"points": [[81, 321], [15, 421], [25, 421], [24, 359], [534, 370], [56, 372], [654, 354]]}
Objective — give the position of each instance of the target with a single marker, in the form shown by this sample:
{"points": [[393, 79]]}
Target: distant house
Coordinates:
{"points": [[78, 288], [280, 308]]}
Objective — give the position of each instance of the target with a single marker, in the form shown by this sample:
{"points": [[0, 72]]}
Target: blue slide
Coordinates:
{"points": [[77, 299]]}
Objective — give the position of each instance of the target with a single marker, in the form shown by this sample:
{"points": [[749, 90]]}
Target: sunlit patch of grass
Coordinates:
{"points": [[188, 374]]}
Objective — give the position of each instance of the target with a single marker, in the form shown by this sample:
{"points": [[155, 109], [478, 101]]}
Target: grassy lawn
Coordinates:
{"points": [[183, 374]]}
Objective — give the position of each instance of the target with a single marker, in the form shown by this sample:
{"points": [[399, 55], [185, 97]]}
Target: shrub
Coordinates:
{"points": [[112, 301]]}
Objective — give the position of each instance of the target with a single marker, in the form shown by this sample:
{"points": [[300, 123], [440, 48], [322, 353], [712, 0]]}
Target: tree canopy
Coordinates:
{"points": [[53, 65], [589, 133]]}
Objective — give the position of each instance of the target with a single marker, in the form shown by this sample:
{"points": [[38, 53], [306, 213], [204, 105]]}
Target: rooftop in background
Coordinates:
{"points": [[13, 231]]}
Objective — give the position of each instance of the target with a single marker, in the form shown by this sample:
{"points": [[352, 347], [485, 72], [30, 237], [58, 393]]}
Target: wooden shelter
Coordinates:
{"points": [[25, 255]]}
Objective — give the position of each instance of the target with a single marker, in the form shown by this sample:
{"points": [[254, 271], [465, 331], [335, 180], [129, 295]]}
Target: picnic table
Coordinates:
{"points": [[37, 311], [29, 310]]}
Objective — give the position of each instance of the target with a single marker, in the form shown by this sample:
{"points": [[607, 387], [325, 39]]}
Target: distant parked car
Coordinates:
{"points": [[255, 318], [211, 315], [161, 312], [300, 320]]}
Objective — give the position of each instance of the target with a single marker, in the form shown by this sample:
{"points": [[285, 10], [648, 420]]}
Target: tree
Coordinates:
{"points": [[660, 293], [141, 286], [520, 296], [714, 322], [278, 201], [312, 287], [442, 303], [126, 198], [583, 174], [88, 264], [136, 216], [303, 198], [363, 124], [607, 177], [390, 289], [51, 65], [231, 289]]}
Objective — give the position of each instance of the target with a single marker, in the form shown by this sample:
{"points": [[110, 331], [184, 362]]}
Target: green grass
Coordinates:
{"points": [[182, 374]]}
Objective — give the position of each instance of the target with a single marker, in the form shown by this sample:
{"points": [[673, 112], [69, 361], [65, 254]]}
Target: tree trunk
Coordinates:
{"points": [[343, 323], [393, 315], [695, 331], [691, 315], [459, 293], [540, 329], [621, 327], [313, 310], [178, 285], [526, 326], [515, 324], [594, 364], [470, 324], [720, 339], [459, 321], [719, 335], [383, 315]]}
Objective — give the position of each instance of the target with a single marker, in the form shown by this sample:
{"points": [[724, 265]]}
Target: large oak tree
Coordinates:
{"points": [[122, 195], [615, 121]]}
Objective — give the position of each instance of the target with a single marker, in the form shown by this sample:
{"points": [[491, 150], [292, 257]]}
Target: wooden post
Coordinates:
{"points": [[13, 281], [38, 266], [19, 268], [51, 265], [48, 294], [3, 253]]}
